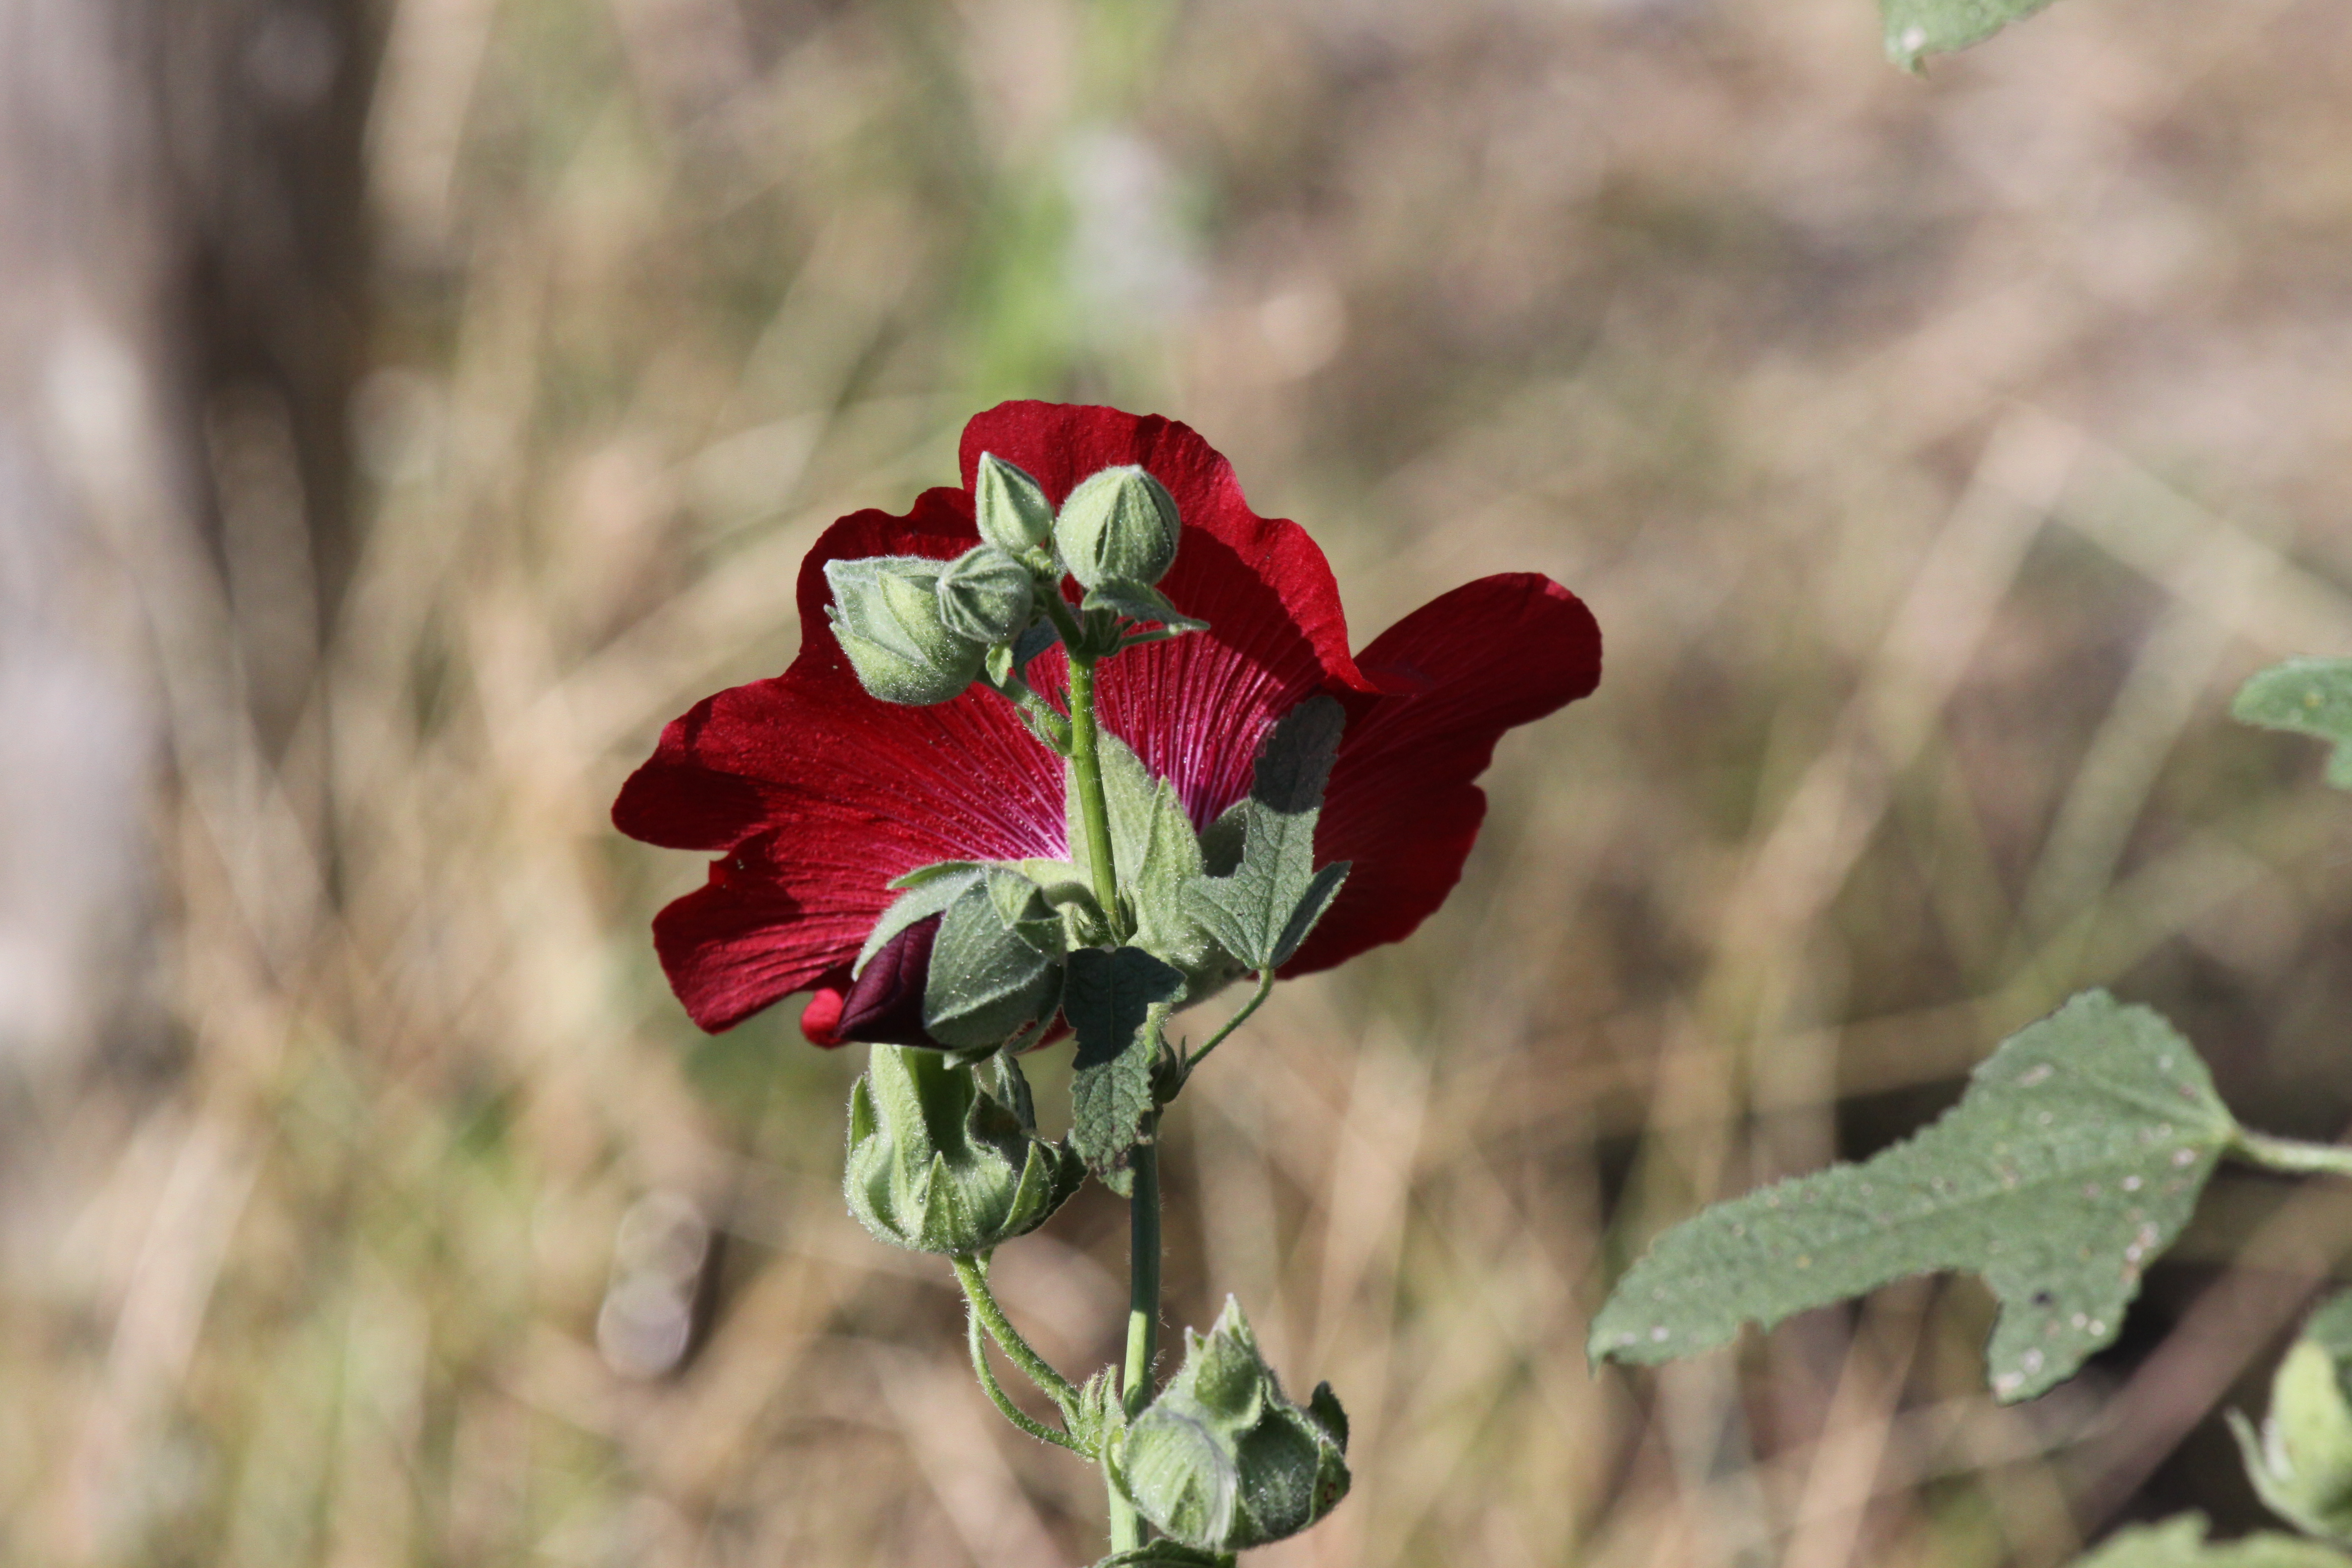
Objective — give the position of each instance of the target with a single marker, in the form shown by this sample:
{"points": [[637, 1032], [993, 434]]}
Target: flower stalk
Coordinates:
{"points": [[1086, 773], [1127, 1527]]}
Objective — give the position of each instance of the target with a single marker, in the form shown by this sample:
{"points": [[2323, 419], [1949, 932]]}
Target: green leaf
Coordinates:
{"points": [[2179, 1542], [1140, 602], [1158, 855], [2310, 696], [2302, 1463], [2074, 1158], [1916, 28], [1116, 1001], [1264, 908], [996, 963], [929, 890]]}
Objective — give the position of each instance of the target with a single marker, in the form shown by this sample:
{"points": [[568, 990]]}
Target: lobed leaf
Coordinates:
{"points": [[1116, 1001], [2075, 1156], [1916, 28], [1263, 909], [2307, 696]]}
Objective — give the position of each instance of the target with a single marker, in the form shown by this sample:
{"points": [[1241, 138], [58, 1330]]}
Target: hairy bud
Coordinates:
{"points": [[1120, 526], [937, 1164], [1221, 1460], [987, 596], [885, 615], [1013, 511]]}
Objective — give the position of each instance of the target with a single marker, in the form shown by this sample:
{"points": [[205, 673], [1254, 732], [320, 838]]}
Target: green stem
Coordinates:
{"points": [[1127, 1527], [1037, 712], [1003, 1402], [1086, 772], [1257, 999], [2292, 1154], [973, 1278]]}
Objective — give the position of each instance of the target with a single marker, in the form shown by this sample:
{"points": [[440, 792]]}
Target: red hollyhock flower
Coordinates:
{"points": [[816, 795]]}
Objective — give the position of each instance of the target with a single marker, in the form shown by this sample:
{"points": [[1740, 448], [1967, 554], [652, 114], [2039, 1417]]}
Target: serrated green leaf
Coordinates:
{"points": [[1916, 28], [2074, 1158], [1264, 908], [1323, 888], [2310, 696], [2179, 1542], [1116, 1001], [1140, 602], [929, 890]]}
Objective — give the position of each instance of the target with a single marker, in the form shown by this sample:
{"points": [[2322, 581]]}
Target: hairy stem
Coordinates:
{"points": [[1086, 772], [973, 1276], [1127, 1527], [1003, 1402], [2292, 1154], [1257, 999]]}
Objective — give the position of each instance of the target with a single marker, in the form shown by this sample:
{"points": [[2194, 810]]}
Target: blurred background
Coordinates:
{"points": [[407, 406]]}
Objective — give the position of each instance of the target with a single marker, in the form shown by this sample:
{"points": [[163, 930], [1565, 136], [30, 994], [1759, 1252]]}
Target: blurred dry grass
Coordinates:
{"points": [[1937, 455]]}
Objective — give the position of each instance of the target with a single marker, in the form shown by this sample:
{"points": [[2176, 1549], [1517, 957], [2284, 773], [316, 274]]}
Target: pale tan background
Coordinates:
{"points": [[402, 412]]}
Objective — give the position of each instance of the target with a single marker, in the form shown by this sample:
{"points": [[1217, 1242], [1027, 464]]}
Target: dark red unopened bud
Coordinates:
{"points": [[885, 1006]]}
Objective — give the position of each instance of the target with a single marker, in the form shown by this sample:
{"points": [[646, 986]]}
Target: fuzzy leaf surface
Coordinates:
{"points": [[928, 891], [2073, 1159], [2179, 1542], [1116, 1001], [2310, 696], [1264, 909], [1916, 28], [994, 966]]}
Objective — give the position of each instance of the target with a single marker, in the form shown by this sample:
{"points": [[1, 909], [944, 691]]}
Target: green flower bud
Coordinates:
{"points": [[1013, 511], [1120, 526], [1222, 1462], [2301, 1465], [885, 615], [987, 596], [996, 964], [936, 1164]]}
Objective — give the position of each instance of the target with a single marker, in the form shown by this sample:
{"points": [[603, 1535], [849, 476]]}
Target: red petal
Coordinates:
{"points": [[1401, 804], [821, 1019], [819, 794]]}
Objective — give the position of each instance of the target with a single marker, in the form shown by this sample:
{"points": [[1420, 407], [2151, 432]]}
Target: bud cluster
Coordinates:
{"points": [[919, 631]]}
